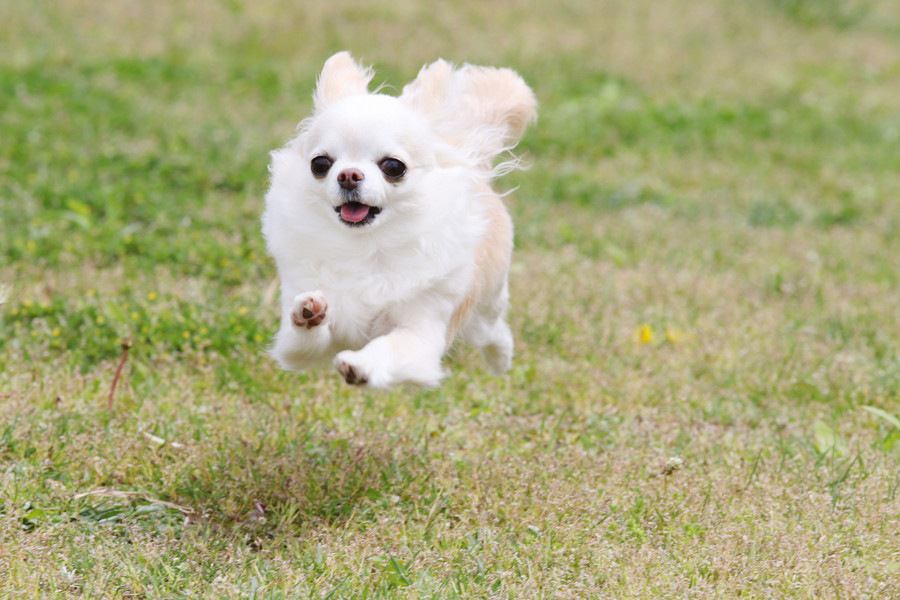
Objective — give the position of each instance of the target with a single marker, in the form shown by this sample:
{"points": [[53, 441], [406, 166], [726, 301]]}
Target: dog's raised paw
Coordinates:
{"points": [[309, 310], [352, 375]]}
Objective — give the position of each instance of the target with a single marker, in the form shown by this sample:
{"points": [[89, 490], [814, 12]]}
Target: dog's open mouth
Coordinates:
{"points": [[355, 213]]}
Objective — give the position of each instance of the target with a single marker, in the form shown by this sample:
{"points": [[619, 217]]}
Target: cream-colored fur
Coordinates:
{"points": [[386, 296]]}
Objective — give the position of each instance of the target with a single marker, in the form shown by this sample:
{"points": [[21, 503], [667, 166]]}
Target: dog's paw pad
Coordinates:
{"points": [[309, 310], [352, 375]]}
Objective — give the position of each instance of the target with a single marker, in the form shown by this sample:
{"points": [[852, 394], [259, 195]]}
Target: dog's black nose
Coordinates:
{"points": [[350, 178]]}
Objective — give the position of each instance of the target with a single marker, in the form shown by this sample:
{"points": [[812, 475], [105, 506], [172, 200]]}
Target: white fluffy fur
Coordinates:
{"points": [[395, 288]]}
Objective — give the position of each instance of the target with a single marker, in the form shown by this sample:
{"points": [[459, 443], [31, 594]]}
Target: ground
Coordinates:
{"points": [[705, 303]]}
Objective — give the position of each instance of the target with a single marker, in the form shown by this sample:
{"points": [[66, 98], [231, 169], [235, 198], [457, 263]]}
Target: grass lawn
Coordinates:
{"points": [[706, 304]]}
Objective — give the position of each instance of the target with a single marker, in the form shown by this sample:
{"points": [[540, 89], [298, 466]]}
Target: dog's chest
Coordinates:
{"points": [[364, 295]]}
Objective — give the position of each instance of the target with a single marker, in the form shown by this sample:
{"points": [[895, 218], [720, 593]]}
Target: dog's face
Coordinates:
{"points": [[367, 156], [367, 160]]}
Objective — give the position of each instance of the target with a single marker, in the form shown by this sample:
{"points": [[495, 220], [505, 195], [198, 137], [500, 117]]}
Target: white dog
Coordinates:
{"points": [[388, 238]]}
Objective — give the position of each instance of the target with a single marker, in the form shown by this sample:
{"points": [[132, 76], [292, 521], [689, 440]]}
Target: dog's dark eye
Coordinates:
{"points": [[392, 168], [320, 165]]}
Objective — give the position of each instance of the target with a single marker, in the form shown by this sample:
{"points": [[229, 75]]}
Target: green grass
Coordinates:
{"points": [[705, 396]]}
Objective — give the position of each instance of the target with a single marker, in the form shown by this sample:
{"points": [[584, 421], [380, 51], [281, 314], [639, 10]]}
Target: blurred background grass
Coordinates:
{"points": [[706, 269]]}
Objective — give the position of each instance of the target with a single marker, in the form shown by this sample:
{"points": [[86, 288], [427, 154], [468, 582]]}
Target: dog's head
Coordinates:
{"points": [[370, 157]]}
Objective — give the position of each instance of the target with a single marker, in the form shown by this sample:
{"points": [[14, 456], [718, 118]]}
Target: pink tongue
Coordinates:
{"points": [[354, 212]]}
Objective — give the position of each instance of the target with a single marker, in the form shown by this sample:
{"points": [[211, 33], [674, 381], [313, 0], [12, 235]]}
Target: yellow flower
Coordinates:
{"points": [[645, 334], [243, 310], [55, 332], [151, 296], [186, 334], [135, 316], [673, 336]]}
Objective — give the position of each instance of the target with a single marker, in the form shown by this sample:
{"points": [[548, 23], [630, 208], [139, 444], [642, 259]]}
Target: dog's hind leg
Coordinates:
{"points": [[498, 352], [488, 331]]}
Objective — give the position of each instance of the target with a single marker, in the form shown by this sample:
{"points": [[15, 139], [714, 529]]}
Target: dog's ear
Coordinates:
{"points": [[482, 110], [429, 92], [500, 99], [341, 76]]}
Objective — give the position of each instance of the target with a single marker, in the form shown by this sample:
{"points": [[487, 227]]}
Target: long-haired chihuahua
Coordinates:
{"points": [[389, 240]]}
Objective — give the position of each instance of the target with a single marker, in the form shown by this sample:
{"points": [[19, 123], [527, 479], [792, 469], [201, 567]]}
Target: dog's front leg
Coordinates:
{"points": [[409, 353], [304, 338]]}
